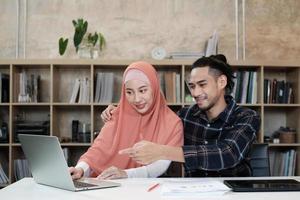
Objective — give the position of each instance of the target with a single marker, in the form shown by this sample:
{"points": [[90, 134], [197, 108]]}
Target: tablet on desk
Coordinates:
{"points": [[265, 185]]}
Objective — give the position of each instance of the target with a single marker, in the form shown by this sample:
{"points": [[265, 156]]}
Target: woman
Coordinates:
{"points": [[142, 114]]}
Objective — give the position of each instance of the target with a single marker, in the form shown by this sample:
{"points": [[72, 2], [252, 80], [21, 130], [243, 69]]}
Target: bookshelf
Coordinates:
{"points": [[57, 78]]}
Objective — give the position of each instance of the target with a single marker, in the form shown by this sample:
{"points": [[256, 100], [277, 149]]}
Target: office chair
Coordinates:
{"points": [[259, 159]]}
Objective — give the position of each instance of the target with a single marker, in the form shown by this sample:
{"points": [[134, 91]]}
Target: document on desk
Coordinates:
{"points": [[193, 188]]}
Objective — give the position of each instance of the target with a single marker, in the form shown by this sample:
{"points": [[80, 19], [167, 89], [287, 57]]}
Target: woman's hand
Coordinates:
{"points": [[144, 152], [107, 113], [113, 173], [76, 173]]}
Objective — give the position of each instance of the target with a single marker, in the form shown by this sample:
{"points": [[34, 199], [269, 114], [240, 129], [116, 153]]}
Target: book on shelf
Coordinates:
{"points": [[177, 87], [186, 55], [3, 177], [104, 87], [4, 88], [212, 44], [283, 163], [245, 89], [170, 85], [278, 91], [81, 91], [21, 169], [97, 88], [162, 82], [75, 91], [29, 87]]}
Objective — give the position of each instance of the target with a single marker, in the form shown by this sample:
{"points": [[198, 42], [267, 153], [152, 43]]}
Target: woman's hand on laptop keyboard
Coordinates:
{"points": [[76, 173], [112, 173]]}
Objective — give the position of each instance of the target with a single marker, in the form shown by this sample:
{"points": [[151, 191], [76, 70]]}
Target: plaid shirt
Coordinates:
{"points": [[218, 147]]}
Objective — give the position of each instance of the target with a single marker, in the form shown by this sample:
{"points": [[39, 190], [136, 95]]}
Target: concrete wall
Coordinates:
{"points": [[134, 27]]}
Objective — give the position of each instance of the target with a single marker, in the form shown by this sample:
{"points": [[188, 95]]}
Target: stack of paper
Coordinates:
{"points": [[193, 188]]}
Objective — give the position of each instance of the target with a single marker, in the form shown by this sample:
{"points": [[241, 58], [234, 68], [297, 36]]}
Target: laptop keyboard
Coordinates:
{"points": [[79, 184]]}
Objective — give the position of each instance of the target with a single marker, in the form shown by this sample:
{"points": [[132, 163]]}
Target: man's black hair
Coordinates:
{"points": [[218, 65]]}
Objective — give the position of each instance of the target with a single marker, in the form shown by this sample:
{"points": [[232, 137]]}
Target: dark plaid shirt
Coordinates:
{"points": [[218, 147]]}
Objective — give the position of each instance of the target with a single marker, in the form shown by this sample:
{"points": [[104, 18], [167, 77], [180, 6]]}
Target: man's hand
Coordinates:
{"points": [[107, 113], [112, 173], [144, 152], [76, 173]]}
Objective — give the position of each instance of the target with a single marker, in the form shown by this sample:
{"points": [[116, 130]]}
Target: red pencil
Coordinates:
{"points": [[153, 187]]}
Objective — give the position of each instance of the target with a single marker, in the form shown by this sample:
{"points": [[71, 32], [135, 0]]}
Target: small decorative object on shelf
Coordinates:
{"points": [[158, 53], [285, 135], [85, 43]]}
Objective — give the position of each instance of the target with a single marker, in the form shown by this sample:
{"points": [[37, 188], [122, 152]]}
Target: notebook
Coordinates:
{"points": [[49, 167], [263, 185]]}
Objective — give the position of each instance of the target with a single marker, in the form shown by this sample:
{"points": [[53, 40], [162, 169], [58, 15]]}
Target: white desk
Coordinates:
{"points": [[131, 189]]}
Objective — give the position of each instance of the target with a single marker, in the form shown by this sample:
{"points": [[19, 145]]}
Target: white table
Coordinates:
{"points": [[131, 189]]}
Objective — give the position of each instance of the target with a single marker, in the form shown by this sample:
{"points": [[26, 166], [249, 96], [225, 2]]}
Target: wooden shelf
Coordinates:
{"points": [[57, 81], [284, 145]]}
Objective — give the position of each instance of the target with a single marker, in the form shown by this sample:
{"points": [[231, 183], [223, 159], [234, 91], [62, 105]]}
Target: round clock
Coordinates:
{"points": [[158, 53]]}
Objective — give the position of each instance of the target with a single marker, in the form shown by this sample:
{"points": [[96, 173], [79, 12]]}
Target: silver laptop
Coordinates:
{"points": [[49, 167]]}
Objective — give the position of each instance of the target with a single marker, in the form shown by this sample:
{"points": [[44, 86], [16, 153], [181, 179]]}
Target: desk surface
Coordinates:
{"points": [[131, 189]]}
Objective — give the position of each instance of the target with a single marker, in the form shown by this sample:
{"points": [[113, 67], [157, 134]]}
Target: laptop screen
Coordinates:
{"points": [[263, 185]]}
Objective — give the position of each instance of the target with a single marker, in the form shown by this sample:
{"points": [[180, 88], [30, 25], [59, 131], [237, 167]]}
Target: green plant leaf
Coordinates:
{"points": [[102, 42], [62, 45], [92, 39], [80, 29]]}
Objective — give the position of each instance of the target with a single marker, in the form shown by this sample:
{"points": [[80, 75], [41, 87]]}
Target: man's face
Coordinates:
{"points": [[206, 88]]}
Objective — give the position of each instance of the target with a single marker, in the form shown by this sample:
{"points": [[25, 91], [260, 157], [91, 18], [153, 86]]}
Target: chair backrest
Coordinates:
{"points": [[259, 159]]}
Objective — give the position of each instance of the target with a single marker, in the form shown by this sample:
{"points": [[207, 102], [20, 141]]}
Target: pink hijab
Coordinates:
{"points": [[127, 127]]}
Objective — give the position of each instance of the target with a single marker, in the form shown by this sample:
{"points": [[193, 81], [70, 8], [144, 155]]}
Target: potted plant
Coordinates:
{"points": [[87, 45]]}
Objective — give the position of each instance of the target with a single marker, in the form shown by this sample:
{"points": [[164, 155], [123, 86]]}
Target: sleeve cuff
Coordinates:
{"points": [[86, 168]]}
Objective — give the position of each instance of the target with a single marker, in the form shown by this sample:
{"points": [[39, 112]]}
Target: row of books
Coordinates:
{"points": [[21, 169], [170, 85], [4, 88], [104, 87], [276, 91], [186, 55], [3, 176], [81, 91], [245, 87], [283, 163], [29, 87], [211, 48]]}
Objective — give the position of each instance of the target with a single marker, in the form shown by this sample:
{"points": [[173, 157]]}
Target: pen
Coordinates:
{"points": [[153, 187]]}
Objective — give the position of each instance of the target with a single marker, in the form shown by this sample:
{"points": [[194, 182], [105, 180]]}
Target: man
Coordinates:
{"points": [[218, 133]]}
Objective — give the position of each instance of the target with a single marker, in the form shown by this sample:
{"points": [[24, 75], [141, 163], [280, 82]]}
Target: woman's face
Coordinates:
{"points": [[139, 95]]}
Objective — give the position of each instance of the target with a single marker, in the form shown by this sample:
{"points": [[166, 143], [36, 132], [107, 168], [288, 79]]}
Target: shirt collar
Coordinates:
{"points": [[224, 115]]}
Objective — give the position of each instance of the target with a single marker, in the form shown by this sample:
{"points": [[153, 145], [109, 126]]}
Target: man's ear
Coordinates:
{"points": [[222, 81]]}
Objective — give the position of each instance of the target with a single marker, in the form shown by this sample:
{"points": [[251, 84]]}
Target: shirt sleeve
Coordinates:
{"points": [[86, 168], [152, 170], [232, 147]]}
